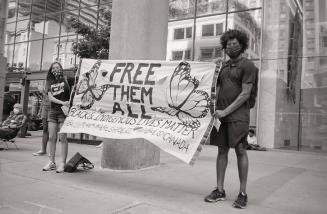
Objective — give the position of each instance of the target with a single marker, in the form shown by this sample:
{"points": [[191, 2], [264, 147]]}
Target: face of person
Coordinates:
{"points": [[251, 134], [56, 70], [233, 48], [16, 110]]}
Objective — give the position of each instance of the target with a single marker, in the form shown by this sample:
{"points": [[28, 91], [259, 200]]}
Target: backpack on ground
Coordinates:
{"points": [[78, 162]]}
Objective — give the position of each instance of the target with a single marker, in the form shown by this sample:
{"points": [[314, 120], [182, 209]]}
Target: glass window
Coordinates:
{"points": [[66, 22], [106, 2], [22, 30], [54, 6], [177, 55], [207, 53], [180, 9], [50, 52], [11, 15], [189, 32], [104, 15], [208, 30], [87, 3], [187, 55], [37, 27], [207, 7], [70, 5], [52, 25], [9, 54], [38, 7], [88, 16], [219, 29], [24, 10], [250, 23], [20, 55], [65, 52], [10, 33], [34, 56], [239, 5], [179, 33]]}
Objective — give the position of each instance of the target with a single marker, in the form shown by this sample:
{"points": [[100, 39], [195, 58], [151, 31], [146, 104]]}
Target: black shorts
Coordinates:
{"points": [[230, 134]]}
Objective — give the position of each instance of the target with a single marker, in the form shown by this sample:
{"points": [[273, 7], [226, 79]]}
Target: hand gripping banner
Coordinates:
{"points": [[167, 103]]}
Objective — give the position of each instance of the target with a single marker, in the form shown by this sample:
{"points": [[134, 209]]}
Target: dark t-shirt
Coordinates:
{"points": [[60, 90], [230, 80]]}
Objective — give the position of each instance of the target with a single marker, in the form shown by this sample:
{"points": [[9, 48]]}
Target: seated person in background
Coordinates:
{"points": [[251, 138], [252, 142], [11, 126]]}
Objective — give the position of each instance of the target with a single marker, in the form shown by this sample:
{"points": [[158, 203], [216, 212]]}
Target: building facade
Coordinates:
{"points": [[287, 42]]}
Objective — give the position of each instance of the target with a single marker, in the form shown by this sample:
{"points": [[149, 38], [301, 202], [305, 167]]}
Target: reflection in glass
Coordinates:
{"points": [[207, 41], [237, 5], [52, 25], [87, 3], [250, 23], [22, 31], [54, 6], [10, 33], [88, 16], [34, 56], [206, 7], [24, 10], [50, 52], [70, 4], [20, 55], [12, 6], [38, 7], [9, 54], [314, 77], [66, 21], [181, 9]]}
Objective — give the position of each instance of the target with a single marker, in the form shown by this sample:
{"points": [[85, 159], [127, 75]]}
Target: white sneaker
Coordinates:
{"points": [[61, 168], [50, 166]]}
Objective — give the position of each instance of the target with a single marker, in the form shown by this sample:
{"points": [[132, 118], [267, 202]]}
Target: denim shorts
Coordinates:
{"points": [[56, 116]]}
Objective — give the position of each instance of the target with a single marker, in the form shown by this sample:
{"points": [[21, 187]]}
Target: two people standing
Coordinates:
{"points": [[236, 79]]}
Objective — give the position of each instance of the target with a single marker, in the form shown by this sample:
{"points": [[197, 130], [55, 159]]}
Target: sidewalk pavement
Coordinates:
{"points": [[279, 182]]}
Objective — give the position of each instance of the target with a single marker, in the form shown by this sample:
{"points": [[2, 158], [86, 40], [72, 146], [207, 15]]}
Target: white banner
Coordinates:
{"points": [[167, 103]]}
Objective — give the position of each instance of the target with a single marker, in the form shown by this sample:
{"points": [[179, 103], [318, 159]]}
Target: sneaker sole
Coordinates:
{"points": [[237, 206], [212, 201], [51, 169]]}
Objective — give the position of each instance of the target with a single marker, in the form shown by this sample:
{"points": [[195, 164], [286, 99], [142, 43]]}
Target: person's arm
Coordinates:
{"points": [[238, 102], [55, 100]]}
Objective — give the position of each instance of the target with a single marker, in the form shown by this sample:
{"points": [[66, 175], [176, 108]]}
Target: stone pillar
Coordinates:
{"points": [[3, 61], [138, 32]]}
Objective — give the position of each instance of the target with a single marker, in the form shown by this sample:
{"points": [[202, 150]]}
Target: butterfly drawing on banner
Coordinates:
{"points": [[184, 101], [88, 87]]}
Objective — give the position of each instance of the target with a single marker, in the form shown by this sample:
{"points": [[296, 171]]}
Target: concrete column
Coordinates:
{"points": [[3, 61], [138, 32]]}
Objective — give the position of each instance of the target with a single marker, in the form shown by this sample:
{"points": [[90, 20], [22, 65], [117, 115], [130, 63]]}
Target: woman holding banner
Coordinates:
{"points": [[59, 93]]}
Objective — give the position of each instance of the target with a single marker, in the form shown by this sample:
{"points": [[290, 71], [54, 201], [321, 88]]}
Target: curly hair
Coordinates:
{"points": [[241, 37], [50, 74]]}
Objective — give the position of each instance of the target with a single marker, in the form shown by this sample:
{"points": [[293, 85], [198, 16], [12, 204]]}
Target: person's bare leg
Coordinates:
{"points": [[221, 165], [53, 127], [45, 139], [243, 166], [64, 150]]}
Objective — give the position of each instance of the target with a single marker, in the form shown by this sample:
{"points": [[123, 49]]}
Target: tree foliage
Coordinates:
{"points": [[94, 42]]}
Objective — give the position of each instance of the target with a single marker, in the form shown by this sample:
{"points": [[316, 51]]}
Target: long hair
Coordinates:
{"points": [[50, 75], [241, 37]]}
